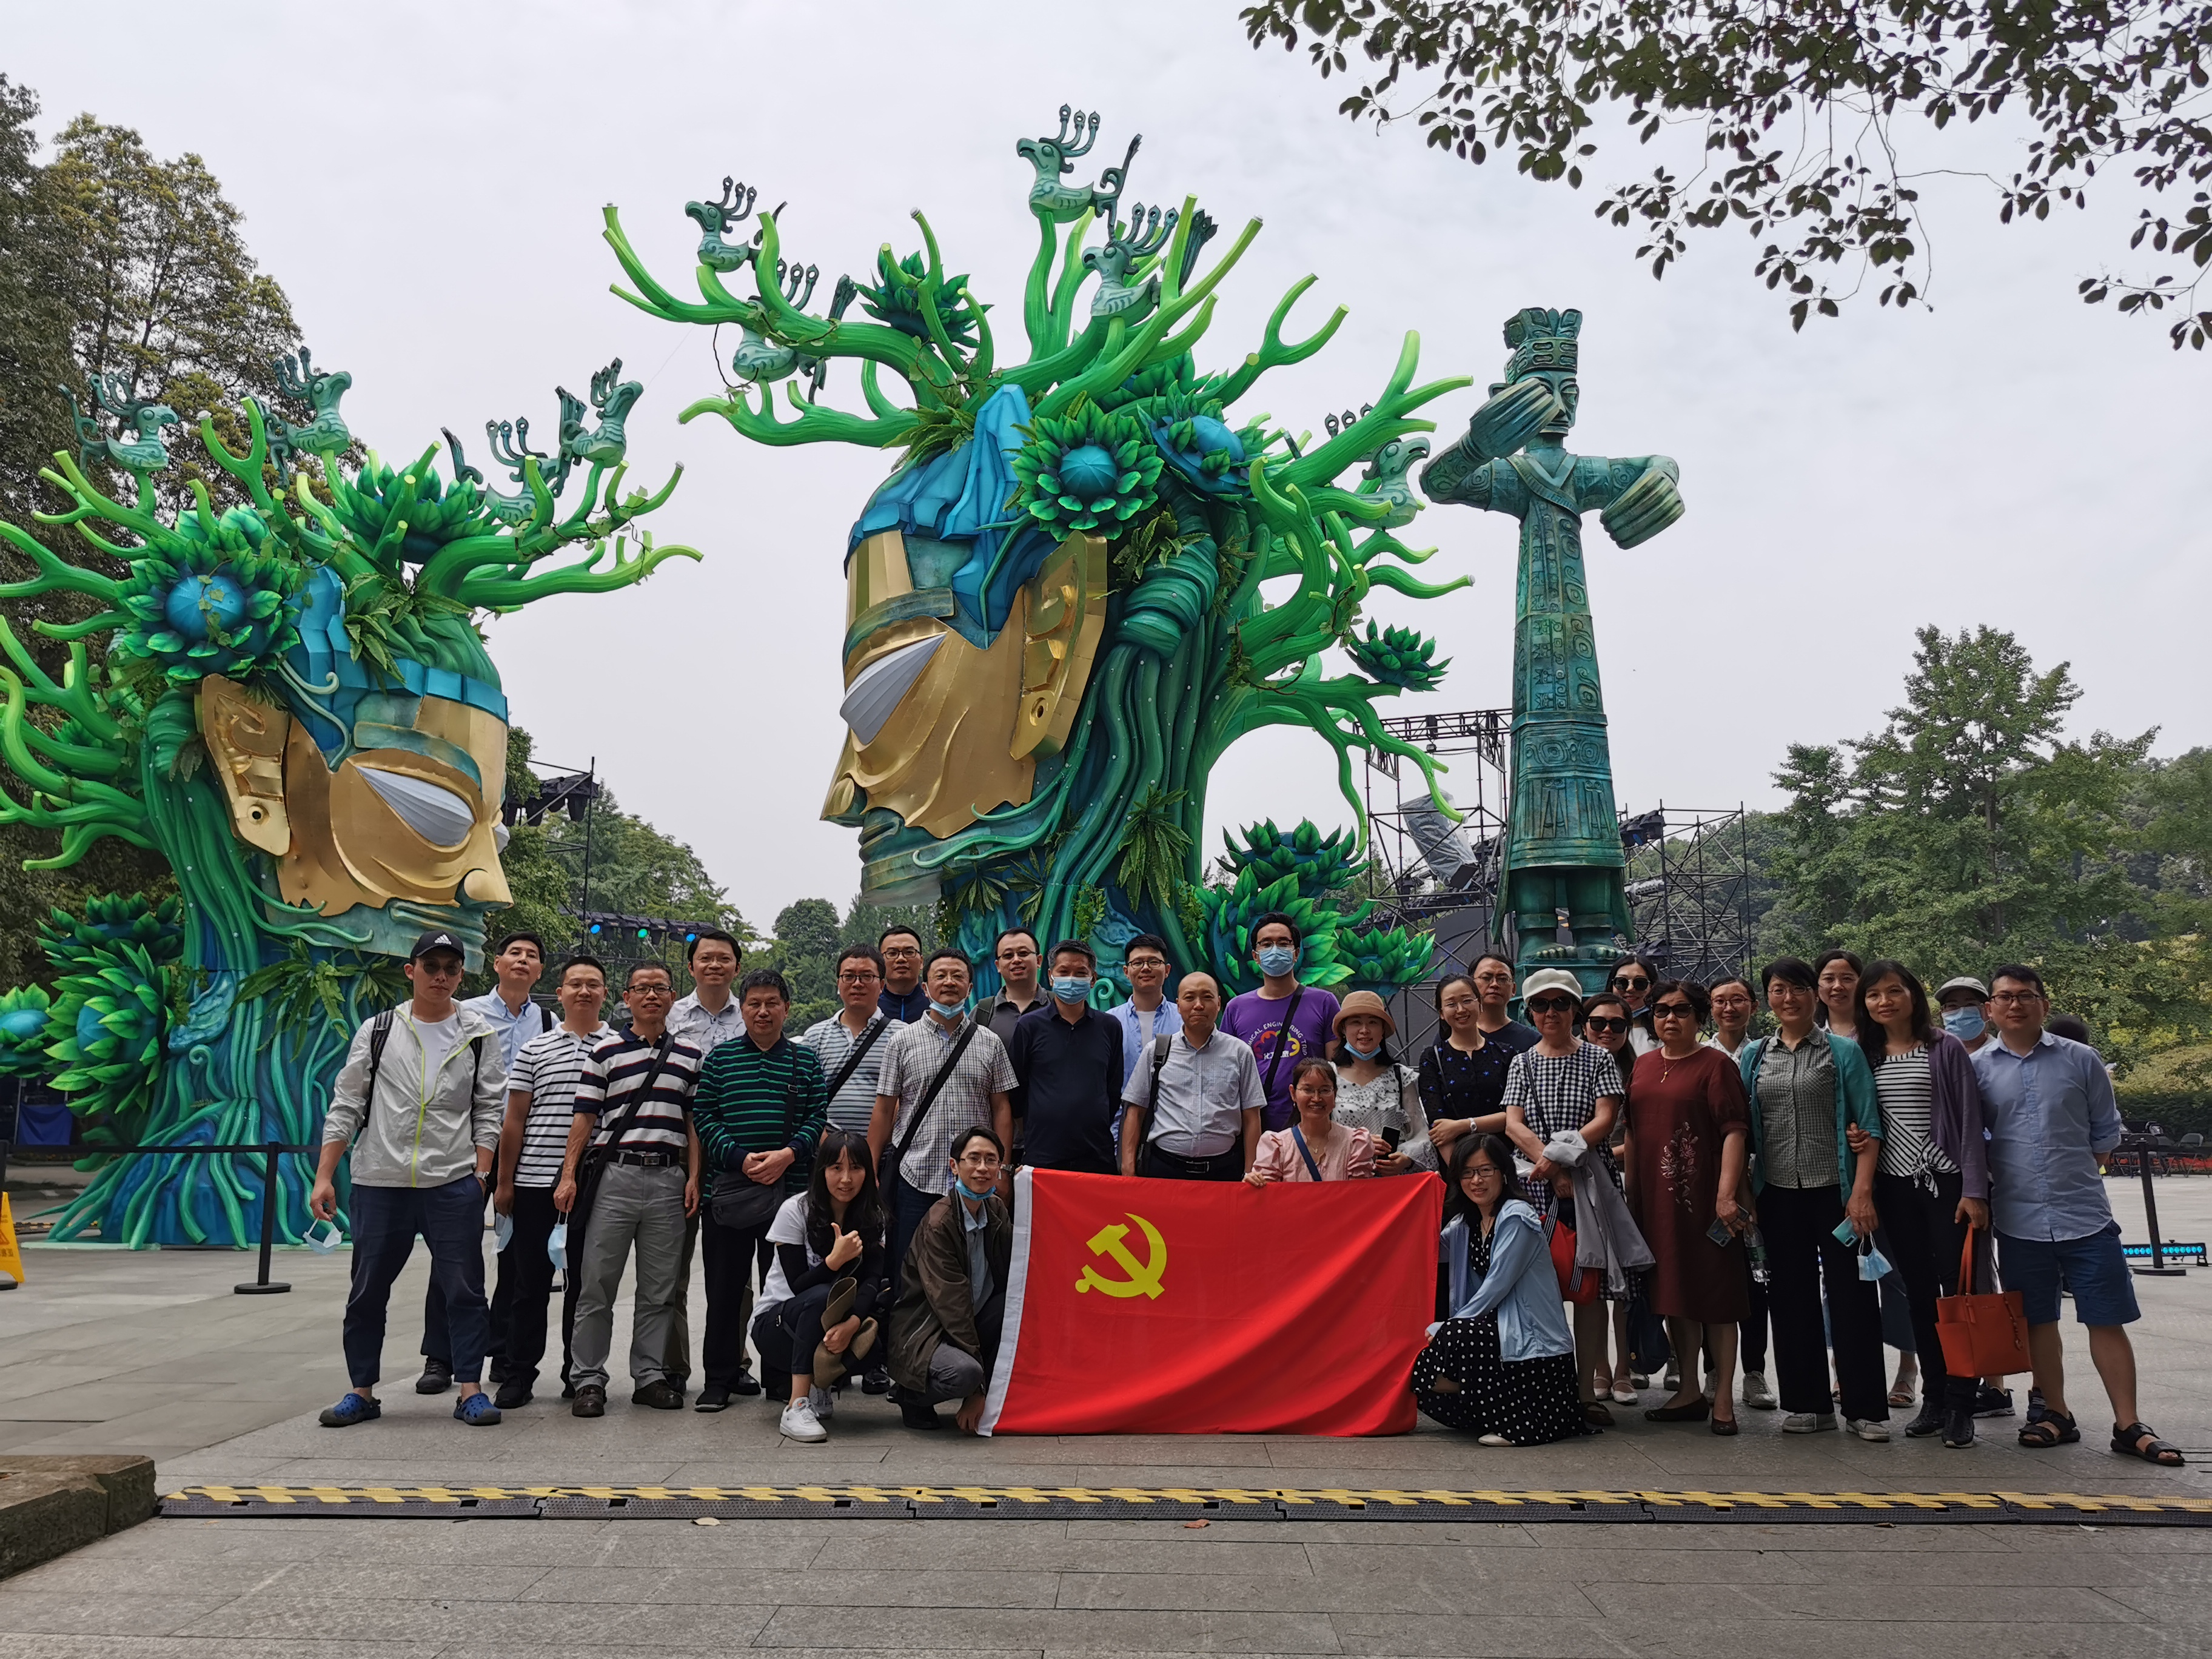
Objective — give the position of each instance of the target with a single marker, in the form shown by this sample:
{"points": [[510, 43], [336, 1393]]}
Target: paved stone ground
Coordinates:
{"points": [[152, 1352]]}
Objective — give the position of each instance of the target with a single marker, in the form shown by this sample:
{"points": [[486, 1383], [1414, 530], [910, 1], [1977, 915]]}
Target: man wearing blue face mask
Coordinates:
{"points": [[1067, 1071], [1282, 1021], [1963, 1002]]}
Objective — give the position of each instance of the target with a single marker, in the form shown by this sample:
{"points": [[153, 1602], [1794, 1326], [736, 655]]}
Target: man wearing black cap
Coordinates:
{"points": [[423, 1087]]}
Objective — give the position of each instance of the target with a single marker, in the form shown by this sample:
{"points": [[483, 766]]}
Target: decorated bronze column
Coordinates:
{"points": [[1564, 864]]}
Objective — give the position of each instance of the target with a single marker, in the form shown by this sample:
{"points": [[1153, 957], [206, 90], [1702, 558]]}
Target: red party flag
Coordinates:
{"points": [[1196, 1307]]}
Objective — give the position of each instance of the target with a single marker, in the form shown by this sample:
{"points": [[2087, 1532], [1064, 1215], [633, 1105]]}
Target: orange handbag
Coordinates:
{"points": [[1984, 1335]]}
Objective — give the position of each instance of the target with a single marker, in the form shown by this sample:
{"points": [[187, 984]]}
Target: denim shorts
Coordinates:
{"points": [[2092, 1267]]}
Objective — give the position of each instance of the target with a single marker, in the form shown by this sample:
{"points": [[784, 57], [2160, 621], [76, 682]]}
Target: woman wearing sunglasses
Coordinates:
{"points": [[1688, 1126], [1608, 1023], [1633, 980], [1565, 1086]]}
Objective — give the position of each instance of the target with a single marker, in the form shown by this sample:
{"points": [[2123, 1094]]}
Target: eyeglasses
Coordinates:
{"points": [[1604, 1023], [1015, 953], [1629, 982], [1146, 962], [1674, 1011], [2015, 997], [904, 950], [1550, 1005], [649, 991], [860, 978], [1481, 1171]]}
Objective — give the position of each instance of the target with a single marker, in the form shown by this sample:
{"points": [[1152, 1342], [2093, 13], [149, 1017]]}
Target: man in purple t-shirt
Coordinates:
{"points": [[1260, 1017]]}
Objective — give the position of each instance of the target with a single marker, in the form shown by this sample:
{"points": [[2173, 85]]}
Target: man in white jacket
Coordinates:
{"points": [[423, 1087]]}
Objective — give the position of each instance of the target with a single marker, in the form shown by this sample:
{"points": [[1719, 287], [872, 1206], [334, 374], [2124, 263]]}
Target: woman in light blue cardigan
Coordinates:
{"points": [[1502, 1366]]}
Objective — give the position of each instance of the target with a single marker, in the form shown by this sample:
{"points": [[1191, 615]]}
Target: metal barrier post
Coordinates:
{"points": [[2158, 1269], [261, 1286]]}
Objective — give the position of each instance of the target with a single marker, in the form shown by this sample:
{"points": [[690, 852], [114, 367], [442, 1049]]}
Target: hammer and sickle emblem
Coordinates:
{"points": [[1144, 1277]]}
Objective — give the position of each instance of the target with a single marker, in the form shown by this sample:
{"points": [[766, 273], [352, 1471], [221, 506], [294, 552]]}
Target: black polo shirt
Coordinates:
{"points": [[1067, 1088]]}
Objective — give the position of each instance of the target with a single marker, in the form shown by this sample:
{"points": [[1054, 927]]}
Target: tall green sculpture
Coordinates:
{"points": [[1564, 864], [1055, 622], [291, 702]]}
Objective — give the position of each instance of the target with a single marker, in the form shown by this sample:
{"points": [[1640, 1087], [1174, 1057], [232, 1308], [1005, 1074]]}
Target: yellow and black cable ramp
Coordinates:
{"points": [[1276, 1504]]}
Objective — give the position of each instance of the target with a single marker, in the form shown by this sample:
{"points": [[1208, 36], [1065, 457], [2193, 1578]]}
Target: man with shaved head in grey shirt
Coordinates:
{"points": [[1205, 1121]]}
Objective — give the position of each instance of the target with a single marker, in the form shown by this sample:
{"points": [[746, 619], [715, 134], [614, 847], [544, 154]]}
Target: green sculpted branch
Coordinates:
{"points": [[1177, 573]]}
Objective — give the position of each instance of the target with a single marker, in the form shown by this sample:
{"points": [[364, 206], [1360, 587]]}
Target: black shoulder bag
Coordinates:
{"points": [[1151, 1106], [869, 1033], [593, 1164], [929, 1098], [1282, 1041]]}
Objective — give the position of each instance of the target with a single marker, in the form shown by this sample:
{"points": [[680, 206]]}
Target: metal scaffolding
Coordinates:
{"points": [[1689, 889], [1689, 868]]}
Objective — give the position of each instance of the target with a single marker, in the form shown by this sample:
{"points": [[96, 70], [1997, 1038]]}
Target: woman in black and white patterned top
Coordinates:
{"points": [[1932, 1176], [1565, 1086]]}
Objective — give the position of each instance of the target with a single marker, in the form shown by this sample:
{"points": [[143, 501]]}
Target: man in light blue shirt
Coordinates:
{"points": [[2052, 1118], [1147, 1014]]}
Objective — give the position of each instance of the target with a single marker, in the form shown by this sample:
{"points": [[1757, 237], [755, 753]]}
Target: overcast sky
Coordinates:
{"points": [[426, 180]]}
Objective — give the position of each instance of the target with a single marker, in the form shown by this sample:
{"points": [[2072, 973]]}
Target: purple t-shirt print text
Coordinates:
{"points": [[1257, 1020]]}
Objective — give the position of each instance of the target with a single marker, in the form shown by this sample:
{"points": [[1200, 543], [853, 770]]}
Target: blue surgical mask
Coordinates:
{"points": [[1964, 1023], [1276, 960], [1071, 988], [1364, 1054], [950, 1010], [971, 1192]]}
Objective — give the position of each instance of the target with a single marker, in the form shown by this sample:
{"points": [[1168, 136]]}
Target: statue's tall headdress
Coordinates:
{"points": [[1542, 341]]}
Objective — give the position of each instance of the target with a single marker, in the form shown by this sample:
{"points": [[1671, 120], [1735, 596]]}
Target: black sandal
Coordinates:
{"points": [[2129, 1443], [2051, 1429]]}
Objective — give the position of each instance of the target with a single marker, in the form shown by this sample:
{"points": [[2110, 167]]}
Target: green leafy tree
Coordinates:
{"points": [[1816, 118], [1967, 829]]}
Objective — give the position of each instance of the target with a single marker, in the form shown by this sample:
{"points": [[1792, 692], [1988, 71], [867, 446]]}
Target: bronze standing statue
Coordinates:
{"points": [[1564, 862]]}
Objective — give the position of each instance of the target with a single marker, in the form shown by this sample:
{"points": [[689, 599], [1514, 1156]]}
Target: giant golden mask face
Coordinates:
{"points": [[941, 730], [407, 821]]}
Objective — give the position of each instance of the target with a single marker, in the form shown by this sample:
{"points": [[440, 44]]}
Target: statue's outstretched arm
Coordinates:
{"points": [[1640, 497]]}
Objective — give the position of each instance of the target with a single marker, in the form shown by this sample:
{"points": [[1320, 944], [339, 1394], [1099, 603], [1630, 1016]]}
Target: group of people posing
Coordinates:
{"points": [[1631, 1141]]}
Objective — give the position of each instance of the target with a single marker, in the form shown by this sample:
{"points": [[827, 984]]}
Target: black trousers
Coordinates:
{"points": [[729, 1254], [522, 1290], [1803, 1256], [1751, 1331], [1159, 1165], [1924, 1231], [908, 1206], [787, 1335], [437, 1338]]}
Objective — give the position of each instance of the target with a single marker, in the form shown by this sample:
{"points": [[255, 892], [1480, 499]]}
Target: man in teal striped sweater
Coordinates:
{"points": [[759, 1111]]}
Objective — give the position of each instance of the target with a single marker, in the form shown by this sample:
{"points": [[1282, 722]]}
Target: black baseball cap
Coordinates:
{"points": [[437, 940]]}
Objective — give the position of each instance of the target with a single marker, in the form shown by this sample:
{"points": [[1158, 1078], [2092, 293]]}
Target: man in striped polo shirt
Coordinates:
{"points": [[760, 1108], [633, 1098], [541, 1095]]}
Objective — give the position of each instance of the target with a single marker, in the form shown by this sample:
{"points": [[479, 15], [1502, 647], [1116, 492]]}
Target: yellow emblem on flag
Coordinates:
{"points": [[11, 1254], [1144, 1277]]}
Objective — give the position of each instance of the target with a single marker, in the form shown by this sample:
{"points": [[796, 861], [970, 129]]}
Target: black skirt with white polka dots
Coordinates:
{"points": [[1532, 1402]]}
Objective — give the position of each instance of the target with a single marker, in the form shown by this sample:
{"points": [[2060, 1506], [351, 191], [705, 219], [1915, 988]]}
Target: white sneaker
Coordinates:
{"points": [[1757, 1393], [1807, 1422], [800, 1423], [1877, 1432], [821, 1403]]}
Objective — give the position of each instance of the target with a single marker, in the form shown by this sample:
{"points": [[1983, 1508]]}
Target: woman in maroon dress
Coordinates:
{"points": [[1688, 1128]]}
